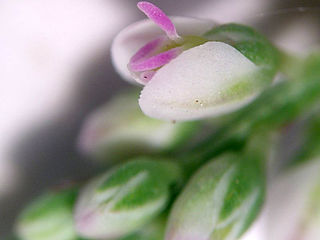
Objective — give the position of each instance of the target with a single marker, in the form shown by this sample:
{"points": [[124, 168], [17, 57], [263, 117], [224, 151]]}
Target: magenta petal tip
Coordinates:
{"points": [[160, 18]]}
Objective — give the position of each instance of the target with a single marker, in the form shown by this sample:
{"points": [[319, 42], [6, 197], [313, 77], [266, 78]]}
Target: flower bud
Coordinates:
{"points": [[49, 217], [125, 198], [220, 201], [120, 130]]}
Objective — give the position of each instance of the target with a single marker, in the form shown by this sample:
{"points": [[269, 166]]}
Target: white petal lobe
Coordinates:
{"points": [[197, 84]]}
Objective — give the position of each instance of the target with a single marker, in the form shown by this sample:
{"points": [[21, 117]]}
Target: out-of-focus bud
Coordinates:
{"points": [[125, 198], [120, 130], [49, 217], [220, 202], [292, 209]]}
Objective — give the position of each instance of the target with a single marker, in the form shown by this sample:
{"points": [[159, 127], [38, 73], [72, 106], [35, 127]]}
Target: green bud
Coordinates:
{"points": [[120, 130], [221, 200], [125, 198], [49, 217]]}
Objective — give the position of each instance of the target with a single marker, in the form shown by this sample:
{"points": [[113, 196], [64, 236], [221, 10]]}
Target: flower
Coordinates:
{"points": [[196, 69], [125, 198]]}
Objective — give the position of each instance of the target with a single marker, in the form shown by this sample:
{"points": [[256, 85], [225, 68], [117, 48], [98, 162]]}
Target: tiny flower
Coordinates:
{"points": [[220, 201], [190, 74], [50, 217], [138, 34], [125, 198], [119, 130]]}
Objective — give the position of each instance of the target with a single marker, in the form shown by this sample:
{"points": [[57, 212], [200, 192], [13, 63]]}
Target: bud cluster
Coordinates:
{"points": [[169, 183]]}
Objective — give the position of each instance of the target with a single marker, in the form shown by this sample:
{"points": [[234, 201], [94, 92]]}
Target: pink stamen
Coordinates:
{"points": [[160, 18], [148, 49], [155, 61]]}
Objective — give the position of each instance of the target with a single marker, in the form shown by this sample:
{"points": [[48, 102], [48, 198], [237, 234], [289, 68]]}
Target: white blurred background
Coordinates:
{"points": [[55, 68]]}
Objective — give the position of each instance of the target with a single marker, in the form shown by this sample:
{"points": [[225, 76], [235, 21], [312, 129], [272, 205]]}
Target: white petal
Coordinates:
{"points": [[193, 85], [133, 37]]}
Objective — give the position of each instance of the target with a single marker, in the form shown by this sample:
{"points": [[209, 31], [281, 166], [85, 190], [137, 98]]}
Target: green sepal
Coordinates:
{"points": [[160, 175], [249, 42], [255, 47]]}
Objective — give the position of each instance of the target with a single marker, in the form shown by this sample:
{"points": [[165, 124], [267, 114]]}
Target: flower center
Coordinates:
{"points": [[160, 51]]}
